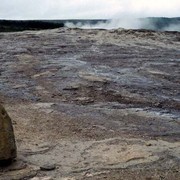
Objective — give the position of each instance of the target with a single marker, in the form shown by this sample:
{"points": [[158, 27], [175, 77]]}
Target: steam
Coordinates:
{"points": [[126, 23], [173, 27], [109, 24]]}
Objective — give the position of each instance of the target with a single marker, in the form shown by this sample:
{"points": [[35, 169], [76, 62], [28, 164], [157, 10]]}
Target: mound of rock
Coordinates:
{"points": [[7, 140]]}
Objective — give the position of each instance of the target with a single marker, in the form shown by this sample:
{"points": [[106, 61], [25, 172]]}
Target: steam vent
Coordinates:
{"points": [[7, 140]]}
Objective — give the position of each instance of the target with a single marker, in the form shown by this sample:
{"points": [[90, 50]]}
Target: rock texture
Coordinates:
{"points": [[7, 140], [97, 104]]}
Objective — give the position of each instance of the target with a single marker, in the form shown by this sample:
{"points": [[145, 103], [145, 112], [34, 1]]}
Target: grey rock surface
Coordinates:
{"points": [[97, 103]]}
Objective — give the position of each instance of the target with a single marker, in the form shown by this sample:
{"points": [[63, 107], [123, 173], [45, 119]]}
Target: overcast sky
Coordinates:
{"points": [[87, 9]]}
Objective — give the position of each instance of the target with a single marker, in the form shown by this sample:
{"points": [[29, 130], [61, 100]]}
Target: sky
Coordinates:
{"points": [[87, 9]]}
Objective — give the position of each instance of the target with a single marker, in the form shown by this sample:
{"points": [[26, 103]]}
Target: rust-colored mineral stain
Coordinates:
{"points": [[7, 139]]}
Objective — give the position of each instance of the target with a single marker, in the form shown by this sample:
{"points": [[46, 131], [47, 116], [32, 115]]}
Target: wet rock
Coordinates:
{"points": [[7, 140]]}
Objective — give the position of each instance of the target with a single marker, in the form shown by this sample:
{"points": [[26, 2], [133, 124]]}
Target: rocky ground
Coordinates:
{"points": [[92, 104]]}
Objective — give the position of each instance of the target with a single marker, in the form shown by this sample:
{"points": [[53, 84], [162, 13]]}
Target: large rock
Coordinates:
{"points": [[7, 140]]}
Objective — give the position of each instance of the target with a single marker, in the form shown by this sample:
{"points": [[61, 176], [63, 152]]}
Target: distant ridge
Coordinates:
{"points": [[18, 25]]}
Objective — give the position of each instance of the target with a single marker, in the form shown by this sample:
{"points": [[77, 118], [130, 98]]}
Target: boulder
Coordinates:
{"points": [[7, 140]]}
